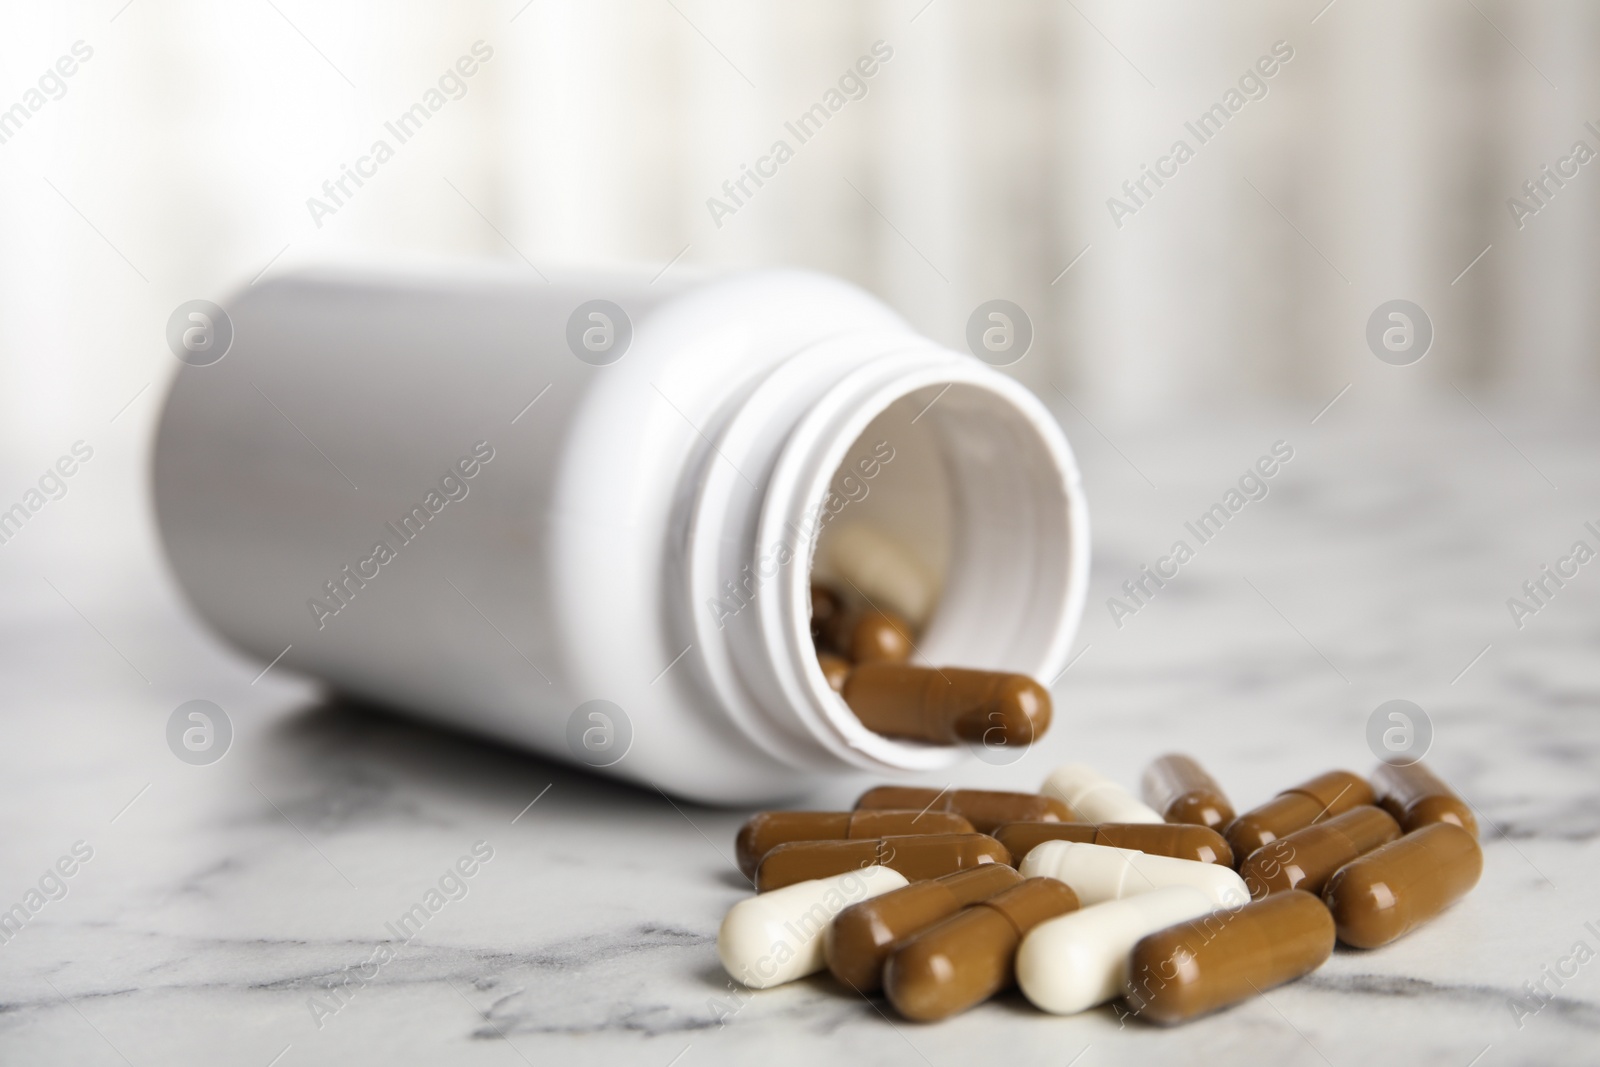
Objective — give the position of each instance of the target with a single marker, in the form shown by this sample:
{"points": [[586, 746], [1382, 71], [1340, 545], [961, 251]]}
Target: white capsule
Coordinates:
{"points": [[885, 571], [776, 937], [1096, 797], [1080, 959], [1099, 873]]}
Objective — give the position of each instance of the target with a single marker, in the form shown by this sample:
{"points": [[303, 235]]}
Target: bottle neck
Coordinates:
{"points": [[996, 492]]}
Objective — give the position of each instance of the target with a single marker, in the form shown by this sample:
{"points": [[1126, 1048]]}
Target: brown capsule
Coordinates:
{"points": [[985, 809], [1325, 796], [861, 936], [1020, 838], [836, 669], [1307, 858], [826, 605], [968, 958], [918, 857], [879, 637], [1183, 841], [766, 830], [1395, 889], [865, 635], [1182, 791], [1416, 797], [1220, 959], [949, 704]]}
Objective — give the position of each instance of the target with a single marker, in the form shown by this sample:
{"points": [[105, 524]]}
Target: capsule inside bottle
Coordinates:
{"points": [[864, 633], [836, 669], [879, 637], [948, 705], [826, 604]]}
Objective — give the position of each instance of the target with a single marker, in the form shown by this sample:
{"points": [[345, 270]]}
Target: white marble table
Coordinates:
{"points": [[222, 901]]}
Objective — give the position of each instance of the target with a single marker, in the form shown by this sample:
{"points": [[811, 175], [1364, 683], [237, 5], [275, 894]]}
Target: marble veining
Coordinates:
{"points": [[223, 903]]}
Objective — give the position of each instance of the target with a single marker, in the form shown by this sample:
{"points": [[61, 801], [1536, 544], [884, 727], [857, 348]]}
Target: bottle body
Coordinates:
{"points": [[433, 494]]}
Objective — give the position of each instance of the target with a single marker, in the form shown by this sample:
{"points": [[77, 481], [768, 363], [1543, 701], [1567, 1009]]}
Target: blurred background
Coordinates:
{"points": [[178, 160]]}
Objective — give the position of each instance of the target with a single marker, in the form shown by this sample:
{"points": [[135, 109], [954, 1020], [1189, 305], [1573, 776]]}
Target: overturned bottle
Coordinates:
{"points": [[541, 509]]}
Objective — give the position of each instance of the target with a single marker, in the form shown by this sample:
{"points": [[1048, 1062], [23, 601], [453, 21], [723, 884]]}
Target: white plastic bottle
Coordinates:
{"points": [[580, 514]]}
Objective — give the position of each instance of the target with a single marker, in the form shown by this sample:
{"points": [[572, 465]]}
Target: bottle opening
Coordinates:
{"points": [[950, 510], [956, 505], [879, 445]]}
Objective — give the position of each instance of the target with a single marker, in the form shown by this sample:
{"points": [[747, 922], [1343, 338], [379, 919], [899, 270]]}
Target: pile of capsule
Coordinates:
{"points": [[863, 649], [1081, 893]]}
